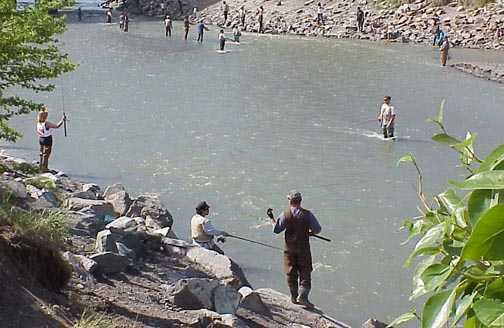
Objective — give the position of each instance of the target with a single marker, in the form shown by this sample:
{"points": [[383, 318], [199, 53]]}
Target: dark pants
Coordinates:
{"points": [[45, 152], [225, 17], [109, 19], [388, 132], [200, 37], [298, 268], [320, 18], [168, 31], [222, 43], [444, 57], [261, 26], [360, 25], [243, 20], [186, 32]]}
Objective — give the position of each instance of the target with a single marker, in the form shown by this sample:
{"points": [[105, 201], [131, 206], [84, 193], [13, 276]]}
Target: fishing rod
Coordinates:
{"points": [[254, 242], [64, 114], [269, 212]]}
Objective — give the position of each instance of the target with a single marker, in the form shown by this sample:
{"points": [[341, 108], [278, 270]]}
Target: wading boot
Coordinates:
{"points": [[303, 298], [294, 295]]}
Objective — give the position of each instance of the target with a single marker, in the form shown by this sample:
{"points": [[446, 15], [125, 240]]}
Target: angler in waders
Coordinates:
{"points": [[203, 231], [45, 138], [298, 225]]}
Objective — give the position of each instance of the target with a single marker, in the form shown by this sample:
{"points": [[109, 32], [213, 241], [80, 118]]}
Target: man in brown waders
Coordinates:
{"points": [[445, 47], [298, 224]]}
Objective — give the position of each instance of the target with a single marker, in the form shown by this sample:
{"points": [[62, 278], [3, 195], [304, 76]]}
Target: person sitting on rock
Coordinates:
{"points": [[203, 231]]}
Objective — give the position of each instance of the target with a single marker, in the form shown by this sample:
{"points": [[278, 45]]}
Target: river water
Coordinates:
{"points": [[241, 129]]}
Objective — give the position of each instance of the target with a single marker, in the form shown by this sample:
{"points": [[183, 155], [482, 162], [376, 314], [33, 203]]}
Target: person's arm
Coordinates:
{"points": [[50, 125], [315, 227], [279, 224], [209, 229], [392, 116], [380, 115]]}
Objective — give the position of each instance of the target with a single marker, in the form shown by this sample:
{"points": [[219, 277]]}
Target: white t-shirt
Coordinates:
{"points": [[387, 112]]}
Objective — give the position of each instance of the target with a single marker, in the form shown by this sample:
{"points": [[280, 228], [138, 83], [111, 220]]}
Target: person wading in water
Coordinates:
{"points": [[168, 26], [445, 47], [187, 24], [45, 138], [222, 40], [387, 118], [201, 29], [109, 16], [202, 230], [298, 225]]}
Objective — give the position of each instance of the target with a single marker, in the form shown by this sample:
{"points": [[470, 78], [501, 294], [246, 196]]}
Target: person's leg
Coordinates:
{"points": [[45, 157], [305, 269], [41, 158], [291, 273], [166, 32], [444, 57], [186, 32], [169, 32], [385, 132], [391, 131]]}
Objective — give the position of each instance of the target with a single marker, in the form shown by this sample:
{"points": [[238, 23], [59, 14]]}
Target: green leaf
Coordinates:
{"points": [[430, 241], [402, 319], [489, 312], [406, 159], [487, 238], [418, 283], [450, 200], [495, 289], [483, 180], [443, 138], [492, 160], [439, 118], [479, 201], [435, 276], [462, 308], [437, 309]]}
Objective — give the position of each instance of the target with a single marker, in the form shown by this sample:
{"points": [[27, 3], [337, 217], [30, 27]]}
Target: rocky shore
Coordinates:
{"points": [[129, 266], [411, 22], [492, 72]]}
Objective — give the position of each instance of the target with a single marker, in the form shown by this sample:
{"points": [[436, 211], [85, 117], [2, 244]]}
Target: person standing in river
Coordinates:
{"points": [[79, 14], [187, 25], [201, 30], [109, 16], [387, 118], [222, 40], [43, 129], [202, 230], [168, 26], [126, 22], [445, 47], [298, 225], [360, 19]]}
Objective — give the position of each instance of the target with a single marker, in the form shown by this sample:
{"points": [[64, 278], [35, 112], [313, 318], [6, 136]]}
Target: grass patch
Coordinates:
{"points": [[93, 320], [41, 183]]}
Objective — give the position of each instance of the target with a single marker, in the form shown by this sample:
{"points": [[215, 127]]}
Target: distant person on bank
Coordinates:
{"points": [[260, 19], [360, 19], [45, 137], [445, 47], [202, 230], [320, 14], [225, 10], [298, 225], [387, 118], [242, 15]]}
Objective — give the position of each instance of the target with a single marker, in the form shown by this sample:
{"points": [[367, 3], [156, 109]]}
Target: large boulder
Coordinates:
{"points": [[226, 299], [193, 293], [116, 195], [106, 241], [125, 223], [101, 208], [252, 300], [109, 262], [220, 266], [84, 224], [15, 188], [149, 207], [175, 247]]}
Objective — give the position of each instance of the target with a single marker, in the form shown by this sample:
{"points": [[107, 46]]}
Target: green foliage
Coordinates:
{"points": [[28, 54], [41, 182], [460, 234]]}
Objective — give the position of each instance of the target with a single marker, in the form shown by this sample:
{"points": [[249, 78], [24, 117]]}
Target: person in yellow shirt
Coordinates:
{"points": [[202, 230]]}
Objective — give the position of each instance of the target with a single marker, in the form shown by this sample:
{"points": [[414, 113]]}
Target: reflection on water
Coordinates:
{"points": [[241, 129]]}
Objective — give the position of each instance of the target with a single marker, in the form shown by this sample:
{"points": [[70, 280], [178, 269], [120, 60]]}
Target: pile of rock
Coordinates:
{"points": [[411, 22], [484, 71]]}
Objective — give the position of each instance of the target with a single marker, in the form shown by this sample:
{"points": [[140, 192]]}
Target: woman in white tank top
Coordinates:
{"points": [[45, 138]]}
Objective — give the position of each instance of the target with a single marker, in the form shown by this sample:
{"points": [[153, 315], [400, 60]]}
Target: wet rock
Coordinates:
{"points": [[109, 262], [149, 208], [252, 300]]}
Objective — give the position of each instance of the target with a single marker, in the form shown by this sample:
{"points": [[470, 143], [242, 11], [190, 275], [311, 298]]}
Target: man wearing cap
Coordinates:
{"points": [[298, 224], [203, 231]]}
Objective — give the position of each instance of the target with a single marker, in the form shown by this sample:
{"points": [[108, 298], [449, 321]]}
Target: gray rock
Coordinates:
{"points": [[15, 188], [101, 208], [221, 266], [83, 267], [150, 209], [116, 195], [126, 251], [113, 189], [252, 300], [46, 200], [226, 299], [122, 223], [94, 188], [231, 321], [84, 224], [373, 323], [175, 247], [84, 195], [193, 293], [106, 241], [134, 240], [109, 262]]}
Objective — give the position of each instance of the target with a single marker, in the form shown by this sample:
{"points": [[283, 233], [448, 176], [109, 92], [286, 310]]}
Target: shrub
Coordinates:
{"points": [[461, 237], [93, 320]]}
